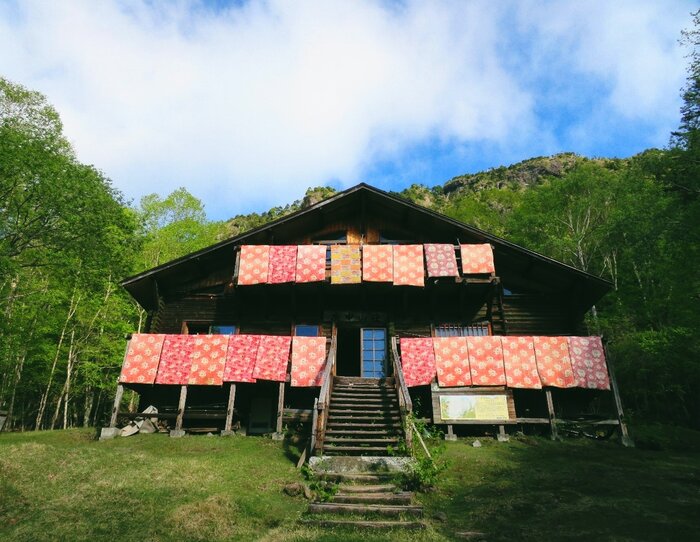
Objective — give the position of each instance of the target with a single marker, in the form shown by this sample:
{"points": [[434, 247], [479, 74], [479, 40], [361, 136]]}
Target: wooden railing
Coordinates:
{"points": [[320, 416], [405, 404]]}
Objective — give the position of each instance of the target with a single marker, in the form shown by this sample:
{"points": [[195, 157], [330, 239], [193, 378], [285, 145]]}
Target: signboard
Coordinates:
{"points": [[473, 407]]}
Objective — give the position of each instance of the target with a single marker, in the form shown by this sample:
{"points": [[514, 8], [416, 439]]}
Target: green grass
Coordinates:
{"points": [[536, 489], [63, 485]]}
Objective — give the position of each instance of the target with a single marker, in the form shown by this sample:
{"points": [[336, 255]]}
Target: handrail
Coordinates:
{"points": [[420, 439], [398, 373], [405, 403], [321, 406]]}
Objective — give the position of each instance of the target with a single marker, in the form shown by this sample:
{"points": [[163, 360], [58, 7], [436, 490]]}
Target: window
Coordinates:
{"points": [[222, 329], [195, 328], [458, 330], [373, 352], [207, 328], [303, 330]]}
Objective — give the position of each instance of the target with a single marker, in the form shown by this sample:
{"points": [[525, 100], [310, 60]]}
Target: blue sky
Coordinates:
{"points": [[247, 104]]}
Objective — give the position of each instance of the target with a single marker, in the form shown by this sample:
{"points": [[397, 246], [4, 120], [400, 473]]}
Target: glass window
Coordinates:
{"points": [[458, 330], [222, 329], [373, 352], [196, 328], [304, 330]]}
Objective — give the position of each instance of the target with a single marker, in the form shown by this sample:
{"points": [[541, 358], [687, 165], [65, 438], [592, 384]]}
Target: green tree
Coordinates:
{"points": [[65, 239], [174, 226]]}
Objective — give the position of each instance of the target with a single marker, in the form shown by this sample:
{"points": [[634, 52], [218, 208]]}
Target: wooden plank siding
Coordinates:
{"points": [[538, 315]]}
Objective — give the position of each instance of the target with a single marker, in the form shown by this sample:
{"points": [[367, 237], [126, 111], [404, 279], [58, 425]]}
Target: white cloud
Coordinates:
{"points": [[250, 105]]}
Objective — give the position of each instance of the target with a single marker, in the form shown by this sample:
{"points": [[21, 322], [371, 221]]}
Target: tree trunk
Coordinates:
{"points": [[62, 394], [73, 306], [87, 410]]}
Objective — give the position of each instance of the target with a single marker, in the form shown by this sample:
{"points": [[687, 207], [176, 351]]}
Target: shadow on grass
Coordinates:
{"points": [[535, 489], [293, 446]]}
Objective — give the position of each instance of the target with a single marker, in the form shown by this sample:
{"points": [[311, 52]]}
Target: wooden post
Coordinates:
{"points": [[624, 434], [314, 422], [111, 431], [450, 433], [552, 416], [502, 435], [278, 435], [117, 403], [178, 432], [229, 411]]}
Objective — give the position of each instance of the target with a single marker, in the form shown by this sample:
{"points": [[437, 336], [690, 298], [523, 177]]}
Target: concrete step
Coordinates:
{"points": [[364, 524], [374, 509], [359, 465]]}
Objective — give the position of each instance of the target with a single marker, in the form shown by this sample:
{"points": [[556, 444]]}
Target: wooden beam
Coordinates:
{"points": [[115, 409], [229, 409], [624, 434], [552, 416], [236, 266]]}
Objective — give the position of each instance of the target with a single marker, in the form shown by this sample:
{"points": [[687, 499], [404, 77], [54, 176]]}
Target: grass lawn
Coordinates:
{"points": [[63, 485]]}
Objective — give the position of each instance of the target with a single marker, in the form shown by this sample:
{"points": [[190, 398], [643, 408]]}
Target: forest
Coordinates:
{"points": [[67, 237]]}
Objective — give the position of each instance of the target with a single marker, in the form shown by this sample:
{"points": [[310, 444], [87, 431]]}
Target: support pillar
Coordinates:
{"points": [[228, 431], [552, 416], [624, 434], [450, 433], [111, 431], [278, 435], [178, 432]]}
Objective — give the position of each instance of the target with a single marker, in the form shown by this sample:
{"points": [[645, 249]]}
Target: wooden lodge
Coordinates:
{"points": [[377, 354]]}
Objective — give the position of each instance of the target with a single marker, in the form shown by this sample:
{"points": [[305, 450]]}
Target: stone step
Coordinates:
{"points": [[364, 524], [366, 488], [375, 509], [372, 498]]}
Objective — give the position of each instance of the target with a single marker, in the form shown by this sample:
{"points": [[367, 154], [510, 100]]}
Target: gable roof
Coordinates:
{"points": [[513, 262]]}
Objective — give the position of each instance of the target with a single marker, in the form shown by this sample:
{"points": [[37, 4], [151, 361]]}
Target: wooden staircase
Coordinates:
{"points": [[363, 417], [356, 423]]}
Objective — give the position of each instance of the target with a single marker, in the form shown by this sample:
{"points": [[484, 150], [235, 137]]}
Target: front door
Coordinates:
{"points": [[373, 360]]}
